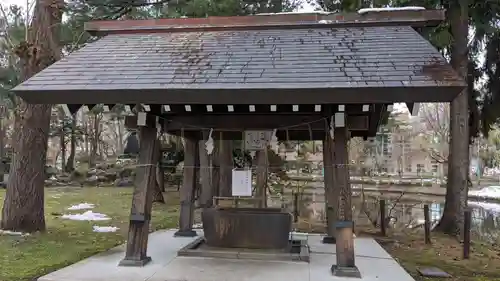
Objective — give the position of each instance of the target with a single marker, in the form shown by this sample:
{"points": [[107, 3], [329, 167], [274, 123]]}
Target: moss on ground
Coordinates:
{"points": [[66, 241], [445, 253]]}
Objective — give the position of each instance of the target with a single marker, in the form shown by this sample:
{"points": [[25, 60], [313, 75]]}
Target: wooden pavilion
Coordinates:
{"points": [[308, 76]]}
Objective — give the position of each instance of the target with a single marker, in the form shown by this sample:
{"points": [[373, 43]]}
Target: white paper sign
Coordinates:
{"points": [[257, 140], [242, 182]]}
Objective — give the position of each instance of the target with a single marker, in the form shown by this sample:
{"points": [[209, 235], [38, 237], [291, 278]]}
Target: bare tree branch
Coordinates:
{"points": [[5, 27]]}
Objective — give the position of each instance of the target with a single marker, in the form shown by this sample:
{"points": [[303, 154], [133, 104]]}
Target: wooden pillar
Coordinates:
{"points": [[140, 213], [206, 193], [345, 266], [331, 203], [225, 155], [261, 178], [188, 188]]}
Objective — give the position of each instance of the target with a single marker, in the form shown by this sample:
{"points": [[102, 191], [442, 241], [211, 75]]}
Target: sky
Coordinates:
{"points": [[11, 2], [306, 7]]}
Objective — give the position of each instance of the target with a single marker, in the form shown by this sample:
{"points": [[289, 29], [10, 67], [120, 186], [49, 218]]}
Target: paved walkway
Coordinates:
{"points": [[373, 262]]}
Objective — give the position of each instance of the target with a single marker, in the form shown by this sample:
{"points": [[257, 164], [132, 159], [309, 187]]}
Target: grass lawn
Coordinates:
{"points": [[446, 253], [66, 241]]}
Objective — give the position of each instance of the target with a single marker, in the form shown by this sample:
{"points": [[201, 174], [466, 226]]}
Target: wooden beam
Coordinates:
{"points": [[188, 189], [281, 135], [240, 122], [140, 214]]}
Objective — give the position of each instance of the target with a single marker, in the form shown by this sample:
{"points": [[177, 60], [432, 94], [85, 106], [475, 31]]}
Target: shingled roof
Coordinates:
{"points": [[305, 63]]}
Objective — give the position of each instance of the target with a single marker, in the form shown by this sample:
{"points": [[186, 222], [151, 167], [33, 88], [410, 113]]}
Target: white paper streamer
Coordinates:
{"points": [[209, 144], [274, 141]]}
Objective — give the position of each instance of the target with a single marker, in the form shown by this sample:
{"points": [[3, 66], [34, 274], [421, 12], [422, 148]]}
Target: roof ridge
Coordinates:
{"points": [[269, 21]]}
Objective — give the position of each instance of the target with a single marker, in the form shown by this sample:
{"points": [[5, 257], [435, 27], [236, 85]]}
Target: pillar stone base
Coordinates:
{"points": [[185, 233], [135, 262], [344, 271], [329, 240]]}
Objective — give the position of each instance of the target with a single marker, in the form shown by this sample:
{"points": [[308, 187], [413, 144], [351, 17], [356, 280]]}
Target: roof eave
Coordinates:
{"points": [[261, 95]]}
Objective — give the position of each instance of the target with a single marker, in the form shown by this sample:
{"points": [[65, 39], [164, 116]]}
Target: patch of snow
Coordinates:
{"points": [[97, 228], [298, 235], [492, 192], [388, 9], [87, 216], [494, 207], [328, 21], [197, 226], [82, 206], [294, 13], [13, 233]]}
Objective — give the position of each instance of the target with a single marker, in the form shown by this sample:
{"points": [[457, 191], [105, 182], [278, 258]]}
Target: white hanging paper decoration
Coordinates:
{"points": [[209, 144], [158, 126], [274, 141], [332, 125]]}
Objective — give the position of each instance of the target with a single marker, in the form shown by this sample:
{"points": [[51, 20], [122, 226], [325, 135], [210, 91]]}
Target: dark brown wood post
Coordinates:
{"points": [[225, 155], [142, 199], [188, 188], [427, 225], [261, 178], [467, 226], [296, 212], [345, 266], [206, 193], [382, 218], [330, 198]]}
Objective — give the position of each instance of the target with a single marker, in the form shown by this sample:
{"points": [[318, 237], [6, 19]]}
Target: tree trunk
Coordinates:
{"points": [[160, 177], [23, 208], [86, 145], [70, 164], [160, 170], [94, 146], [157, 192], [62, 143], [3, 166], [458, 162]]}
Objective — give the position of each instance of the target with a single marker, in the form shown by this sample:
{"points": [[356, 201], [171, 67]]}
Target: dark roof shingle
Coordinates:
{"points": [[363, 57]]}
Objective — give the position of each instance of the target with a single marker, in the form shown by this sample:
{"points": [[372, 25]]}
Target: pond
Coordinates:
{"points": [[408, 213], [485, 222]]}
